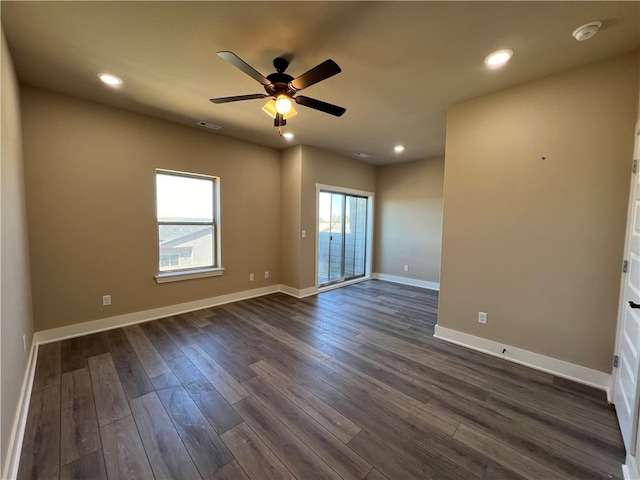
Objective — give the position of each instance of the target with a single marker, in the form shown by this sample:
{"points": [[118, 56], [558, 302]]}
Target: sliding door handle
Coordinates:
{"points": [[634, 305]]}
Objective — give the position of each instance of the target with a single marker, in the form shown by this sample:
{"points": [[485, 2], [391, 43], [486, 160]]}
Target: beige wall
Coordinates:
{"points": [[325, 168], [290, 178], [409, 219], [91, 204], [91, 208], [15, 299], [537, 244]]}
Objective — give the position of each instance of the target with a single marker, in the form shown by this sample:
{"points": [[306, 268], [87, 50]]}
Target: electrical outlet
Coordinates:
{"points": [[406, 268], [106, 300], [482, 318], [251, 277], [304, 234], [266, 274]]}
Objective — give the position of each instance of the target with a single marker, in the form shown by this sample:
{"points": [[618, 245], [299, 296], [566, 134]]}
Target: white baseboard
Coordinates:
{"points": [[95, 326], [571, 371], [294, 292], [20, 419], [407, 281]]}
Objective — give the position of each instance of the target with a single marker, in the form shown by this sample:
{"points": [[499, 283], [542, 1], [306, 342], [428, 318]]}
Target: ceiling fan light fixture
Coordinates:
{"points": [[283, 104], [290, 113], [270, 109]]}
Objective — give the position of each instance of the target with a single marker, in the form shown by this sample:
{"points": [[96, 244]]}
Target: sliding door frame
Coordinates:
{"points": [[369, 233]]}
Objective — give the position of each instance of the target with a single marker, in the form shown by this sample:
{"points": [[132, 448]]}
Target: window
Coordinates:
{"points": [[188, 232]]}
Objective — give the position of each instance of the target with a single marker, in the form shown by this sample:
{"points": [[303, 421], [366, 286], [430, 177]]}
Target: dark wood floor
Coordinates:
{"points": [[347, 384]]}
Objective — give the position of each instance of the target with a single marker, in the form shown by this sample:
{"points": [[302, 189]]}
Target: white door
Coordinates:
{"points": [[626, 397]]}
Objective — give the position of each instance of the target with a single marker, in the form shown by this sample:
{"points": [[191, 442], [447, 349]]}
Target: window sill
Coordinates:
{"points": [[178, 276]]}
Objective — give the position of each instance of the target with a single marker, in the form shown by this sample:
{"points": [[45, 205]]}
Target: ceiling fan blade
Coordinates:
{"points": [[238, 98], [320, 105], [237, 62], [326, 69]]}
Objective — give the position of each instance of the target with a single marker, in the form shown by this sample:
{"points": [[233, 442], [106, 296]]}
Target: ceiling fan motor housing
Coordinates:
{"points": [[280, 83]]}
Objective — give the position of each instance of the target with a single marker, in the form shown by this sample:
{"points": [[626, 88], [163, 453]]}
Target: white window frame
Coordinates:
{"points": [[198, 272]]}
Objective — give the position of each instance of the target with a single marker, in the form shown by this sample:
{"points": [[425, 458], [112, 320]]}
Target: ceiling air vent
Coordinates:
{"points": [[210, 126], [362, 155]]}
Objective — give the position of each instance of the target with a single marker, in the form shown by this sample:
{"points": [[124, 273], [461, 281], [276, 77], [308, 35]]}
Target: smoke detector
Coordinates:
{"points": [[586, 31]]}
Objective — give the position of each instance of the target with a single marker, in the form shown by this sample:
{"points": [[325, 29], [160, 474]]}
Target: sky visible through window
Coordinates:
{"points": [[182, 198]]}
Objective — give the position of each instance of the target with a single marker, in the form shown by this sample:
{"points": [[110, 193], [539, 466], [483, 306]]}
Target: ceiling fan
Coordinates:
{"points": [[283, 88]]}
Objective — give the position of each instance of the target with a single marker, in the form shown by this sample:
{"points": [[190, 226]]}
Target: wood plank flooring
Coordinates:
{"points": [[348, 384]]}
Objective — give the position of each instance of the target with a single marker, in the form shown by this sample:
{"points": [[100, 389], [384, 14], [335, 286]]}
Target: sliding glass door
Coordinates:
{"points": [[355, 237], [342, 237]]}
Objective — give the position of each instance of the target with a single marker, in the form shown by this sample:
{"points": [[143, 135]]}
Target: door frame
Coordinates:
{"points": [[631, 468], [368, 263]]}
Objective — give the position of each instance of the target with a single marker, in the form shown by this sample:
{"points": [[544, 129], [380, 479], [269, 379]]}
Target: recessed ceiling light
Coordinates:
{"points": [[110, 80], [398, 149], [288, 135], [499, 58]]}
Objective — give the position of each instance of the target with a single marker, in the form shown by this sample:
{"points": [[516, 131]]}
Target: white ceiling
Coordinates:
{"points": [[403, 63]]}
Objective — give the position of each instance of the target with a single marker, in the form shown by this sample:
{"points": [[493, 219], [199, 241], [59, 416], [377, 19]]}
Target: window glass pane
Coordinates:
{"points": [[350, 233], [185, 246], [184, 199], [336, 238], [356, 227], [324, 234]]}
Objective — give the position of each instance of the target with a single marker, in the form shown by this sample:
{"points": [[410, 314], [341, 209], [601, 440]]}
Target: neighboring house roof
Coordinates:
{"points": [[180, 241]]}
